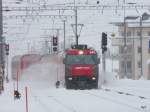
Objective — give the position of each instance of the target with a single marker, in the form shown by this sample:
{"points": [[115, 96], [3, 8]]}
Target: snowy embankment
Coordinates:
{"points": [[44, 97]]}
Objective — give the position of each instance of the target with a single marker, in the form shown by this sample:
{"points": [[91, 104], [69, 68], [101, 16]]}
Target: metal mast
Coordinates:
{"points": [[76, 25], [1, 50], [76, 22], [64, 35], [1, 38]]}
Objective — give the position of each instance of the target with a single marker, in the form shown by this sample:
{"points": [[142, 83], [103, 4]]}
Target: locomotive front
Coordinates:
{"points": [[81, 68]]}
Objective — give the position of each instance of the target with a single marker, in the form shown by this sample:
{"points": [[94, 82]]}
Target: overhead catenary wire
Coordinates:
{"points": [[79, 7]]}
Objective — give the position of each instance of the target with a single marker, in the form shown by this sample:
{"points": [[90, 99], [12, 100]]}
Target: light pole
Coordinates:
{"points": [[1, 37], [64, 34], [76, 22]]}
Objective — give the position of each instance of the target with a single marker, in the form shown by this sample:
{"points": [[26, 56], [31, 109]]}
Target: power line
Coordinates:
{"points": [[79, 7], [39, 16]]}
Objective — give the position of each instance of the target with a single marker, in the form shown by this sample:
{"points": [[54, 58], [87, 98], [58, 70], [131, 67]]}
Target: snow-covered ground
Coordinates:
{"points": [[115, 95]]}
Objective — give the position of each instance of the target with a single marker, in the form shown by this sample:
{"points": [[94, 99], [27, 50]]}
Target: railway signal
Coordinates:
{"points": [[7, 49], [17, 95], [55, 41], [54, 49], [104, 42], [104, 39]]}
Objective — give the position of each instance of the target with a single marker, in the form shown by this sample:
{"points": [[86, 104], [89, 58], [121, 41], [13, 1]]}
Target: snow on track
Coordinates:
{"points": [[87, 101], [44, 97]]}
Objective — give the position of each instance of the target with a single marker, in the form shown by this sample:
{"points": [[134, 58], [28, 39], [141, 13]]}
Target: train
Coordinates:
{"points": [[21, 62], [81, 67]]}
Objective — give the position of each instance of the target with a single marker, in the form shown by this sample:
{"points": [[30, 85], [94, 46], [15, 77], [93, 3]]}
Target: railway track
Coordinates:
{"points": [[125, 93], [109, 98], [47, 107], [125, 100]]}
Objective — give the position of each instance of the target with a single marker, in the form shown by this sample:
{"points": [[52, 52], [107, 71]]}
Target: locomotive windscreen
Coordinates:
{"points": [[81, 59]]}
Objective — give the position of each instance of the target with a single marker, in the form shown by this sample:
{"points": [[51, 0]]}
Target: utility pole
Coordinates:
{"points": [[125, 41], [76, 25], [64, 35], [76, 22], [2, 45], [104, 62], [141, 45], [1, 38]]}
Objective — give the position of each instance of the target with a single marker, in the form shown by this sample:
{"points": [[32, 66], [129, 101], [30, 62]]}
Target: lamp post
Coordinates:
{"points": [[64, 21], [1, 37]]}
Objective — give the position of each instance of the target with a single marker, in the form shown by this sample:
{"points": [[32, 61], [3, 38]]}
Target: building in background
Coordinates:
{"points": [[130, 58]]}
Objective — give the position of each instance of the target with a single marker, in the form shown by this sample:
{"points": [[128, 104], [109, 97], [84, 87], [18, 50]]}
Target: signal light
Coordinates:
{"points": [[104, 39], [104, 48], [7, 49], [55, 41], [104, 42], [54, 49]]}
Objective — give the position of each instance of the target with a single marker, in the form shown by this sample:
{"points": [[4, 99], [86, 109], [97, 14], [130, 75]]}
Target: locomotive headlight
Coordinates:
{"points": [[80, 52], [69, 78], [93, 78]]}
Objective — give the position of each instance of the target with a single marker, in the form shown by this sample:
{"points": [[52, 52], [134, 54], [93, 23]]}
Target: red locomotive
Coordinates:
{"points": [[81, 67]]}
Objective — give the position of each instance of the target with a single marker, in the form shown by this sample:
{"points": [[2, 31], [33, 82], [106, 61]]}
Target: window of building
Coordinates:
{"points": [[148, 50], [148, 71], [138, 33], [148, 33], [149, 46], [129, 49], [129, 33], [139, 49], [122, 64], [128, 39], [139, 64], [121, 49], [122, 33], [129, 66]]}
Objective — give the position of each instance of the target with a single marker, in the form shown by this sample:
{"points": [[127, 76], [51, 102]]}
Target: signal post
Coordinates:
{"points": [[104, 49]]}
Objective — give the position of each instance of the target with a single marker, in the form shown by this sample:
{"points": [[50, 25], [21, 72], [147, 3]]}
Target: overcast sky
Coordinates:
{"points": [[29, 32]]}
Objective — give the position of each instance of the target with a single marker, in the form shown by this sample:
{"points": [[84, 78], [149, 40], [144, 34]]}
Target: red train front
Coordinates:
{"points": [[81, 67]]}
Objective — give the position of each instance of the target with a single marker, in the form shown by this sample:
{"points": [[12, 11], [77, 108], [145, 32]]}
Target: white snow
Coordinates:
{"points": [[115, 95], [44, 97]]}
